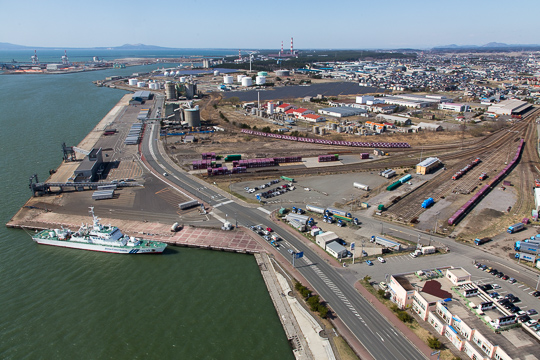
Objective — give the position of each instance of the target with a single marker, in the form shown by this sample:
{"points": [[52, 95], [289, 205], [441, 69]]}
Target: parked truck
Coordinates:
{"points": [[188, 204], [515, 228], [481, 241]]}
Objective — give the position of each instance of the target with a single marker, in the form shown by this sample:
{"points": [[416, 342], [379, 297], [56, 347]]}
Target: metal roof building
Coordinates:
{"points": [[509, 107], [336, 250], [341, 111], [427, 165]]}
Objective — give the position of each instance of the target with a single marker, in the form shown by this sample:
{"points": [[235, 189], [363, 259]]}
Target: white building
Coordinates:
{"points": [[454, 107], [341, 111], [336, 250]]}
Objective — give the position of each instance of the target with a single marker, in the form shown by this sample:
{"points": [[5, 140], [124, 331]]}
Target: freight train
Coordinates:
{"points": [[458, 215], [466, 169], [329, 142]]}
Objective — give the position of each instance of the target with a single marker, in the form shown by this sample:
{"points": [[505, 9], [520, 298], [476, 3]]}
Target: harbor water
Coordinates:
{"points": [[70, 304]]}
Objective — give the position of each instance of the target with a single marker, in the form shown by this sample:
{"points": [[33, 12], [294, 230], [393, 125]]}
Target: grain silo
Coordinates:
{"points": [[193, 117]]}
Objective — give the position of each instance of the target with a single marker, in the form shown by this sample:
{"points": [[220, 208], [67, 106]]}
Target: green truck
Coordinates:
{"points": [[233, 157]]}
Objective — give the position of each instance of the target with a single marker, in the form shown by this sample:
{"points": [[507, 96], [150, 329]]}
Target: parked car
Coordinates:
{"points": [[515, 300], [383, 285], [532, 312], [531, 323], [381, 259], [500, 274], [496, 286], [477, 265], [524, 318], [536, 293], [494, 294], [512, 280], [369, 262], [505, 277]]}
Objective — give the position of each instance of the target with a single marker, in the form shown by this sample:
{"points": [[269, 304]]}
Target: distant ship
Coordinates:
{"points": [[104, 238]]}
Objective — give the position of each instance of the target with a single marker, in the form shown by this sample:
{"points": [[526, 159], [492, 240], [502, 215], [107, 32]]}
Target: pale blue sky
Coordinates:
{"points": [[252, 24]]}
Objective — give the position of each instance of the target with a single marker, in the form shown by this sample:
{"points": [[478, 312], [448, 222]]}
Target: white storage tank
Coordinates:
{"points": [[216, 72], [228, 79], [246, 81], [182, 79], [133, 82], [152, 86], [270, 108], [178, 73], [166, 73], [240, 77], [282, 73], [260, 80], [141, 84]]}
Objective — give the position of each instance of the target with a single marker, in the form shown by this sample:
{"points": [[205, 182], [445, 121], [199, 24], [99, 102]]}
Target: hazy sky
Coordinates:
{"points": [[253, 24]]}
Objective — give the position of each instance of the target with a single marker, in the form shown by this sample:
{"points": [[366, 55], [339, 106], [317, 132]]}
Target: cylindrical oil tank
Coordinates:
{"points": [[262, 73], [141, 84], [270, 108], [133, 82], [322, 130], [260, 80], [182, 79], [253, 111], [227, 79], [166, 73], [153, 86], [170, 90], [178, 73], [283, 73], [216, 72], [240, 77], [247, 81], [338, 129], [193, 117]]}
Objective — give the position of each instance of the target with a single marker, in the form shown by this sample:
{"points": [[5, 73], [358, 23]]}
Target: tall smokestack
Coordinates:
{"points": [[291, 47], [281, 46]]}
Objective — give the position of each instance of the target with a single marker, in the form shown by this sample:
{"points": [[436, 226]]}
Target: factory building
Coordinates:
{"points": [[454, 107], [312, 118], [426, 166], [87, 170], [396, 120], [341, 111], [143, 94], [509, 107]]}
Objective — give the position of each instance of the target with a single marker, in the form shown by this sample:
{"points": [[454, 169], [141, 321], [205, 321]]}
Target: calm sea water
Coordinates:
{"points": [[70, 304]]}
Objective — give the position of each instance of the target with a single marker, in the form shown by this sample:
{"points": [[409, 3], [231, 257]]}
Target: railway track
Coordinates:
{"points": [[500, 148]]}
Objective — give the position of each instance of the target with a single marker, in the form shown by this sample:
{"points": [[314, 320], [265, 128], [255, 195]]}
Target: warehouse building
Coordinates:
{"points": [[396, 120], [430, 127], [509, 107], [341, 111], [428, 165]]}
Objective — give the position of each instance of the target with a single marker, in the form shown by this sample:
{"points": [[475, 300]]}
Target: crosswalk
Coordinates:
{"points": [[334, 288]]}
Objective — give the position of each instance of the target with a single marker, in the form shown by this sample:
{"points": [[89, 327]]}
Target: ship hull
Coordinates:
{"points": [[100, 248]]}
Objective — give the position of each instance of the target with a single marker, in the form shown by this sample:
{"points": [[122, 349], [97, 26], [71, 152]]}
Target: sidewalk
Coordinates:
{"points": [[393, 319]]}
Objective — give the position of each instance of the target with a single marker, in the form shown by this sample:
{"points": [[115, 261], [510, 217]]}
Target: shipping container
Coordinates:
{"points": [[361, 186], [393, 186], [287, 178], [364, 156], [364, 205], [232, 157], [405, 178], [515, 228], [188, 204], [389, 174], [481, 241]]}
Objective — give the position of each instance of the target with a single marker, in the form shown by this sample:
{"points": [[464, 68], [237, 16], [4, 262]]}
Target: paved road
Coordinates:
{"points": [[373, 330]]}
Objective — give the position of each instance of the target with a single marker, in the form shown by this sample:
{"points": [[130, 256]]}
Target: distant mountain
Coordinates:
{"points": [[491, 45], [8, 46]]}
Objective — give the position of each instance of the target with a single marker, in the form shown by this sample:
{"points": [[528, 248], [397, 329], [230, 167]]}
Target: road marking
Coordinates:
{"points": [[223, 203], [380, 336], [264, 210]]}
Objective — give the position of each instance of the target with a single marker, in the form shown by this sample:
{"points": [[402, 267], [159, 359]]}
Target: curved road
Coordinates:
{"points": [[376, 334]]}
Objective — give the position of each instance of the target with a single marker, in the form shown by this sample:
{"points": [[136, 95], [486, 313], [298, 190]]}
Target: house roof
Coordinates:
{"points": [[312, 116]]}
